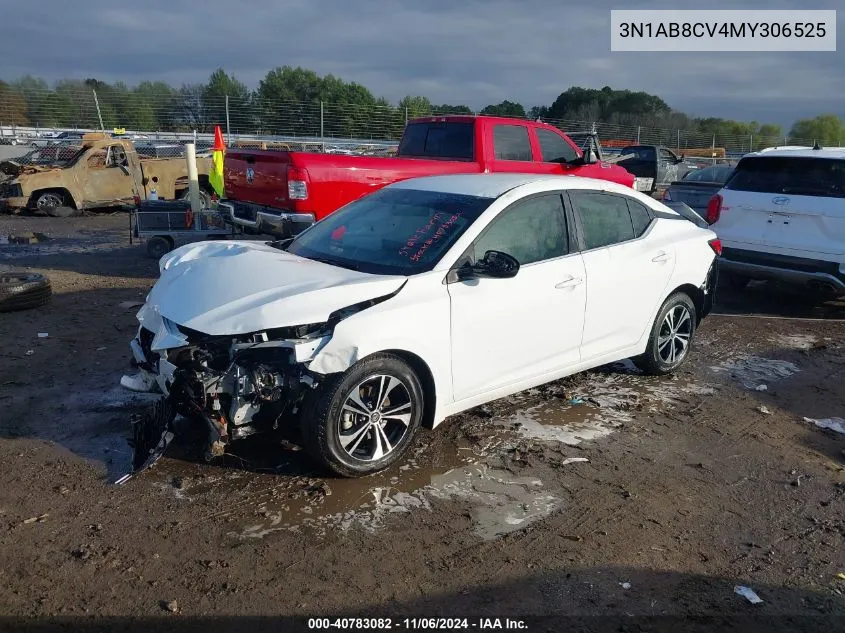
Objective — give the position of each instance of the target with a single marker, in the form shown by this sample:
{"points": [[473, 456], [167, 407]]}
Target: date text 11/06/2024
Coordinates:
{"points": [[416, 624]]}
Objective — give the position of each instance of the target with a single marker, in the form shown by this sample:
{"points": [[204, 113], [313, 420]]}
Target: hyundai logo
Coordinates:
{"points": [[780, 200]]}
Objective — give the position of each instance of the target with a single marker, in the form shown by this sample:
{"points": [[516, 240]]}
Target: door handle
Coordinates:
{"points": [[570, 283], [661, 257]]}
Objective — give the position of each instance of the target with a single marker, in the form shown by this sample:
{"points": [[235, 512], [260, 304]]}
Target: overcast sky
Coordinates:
{"points": [[473, 52]]}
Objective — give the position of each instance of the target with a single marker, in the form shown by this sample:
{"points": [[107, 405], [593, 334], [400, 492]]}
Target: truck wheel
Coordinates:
{"points": [[54, 204], [205, 199], [364, 420], [21, 292], [159, 246]]}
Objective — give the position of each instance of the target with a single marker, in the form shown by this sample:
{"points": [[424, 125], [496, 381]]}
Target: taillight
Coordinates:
{"points": [[297, 183], [716, 245], [714, 209]]}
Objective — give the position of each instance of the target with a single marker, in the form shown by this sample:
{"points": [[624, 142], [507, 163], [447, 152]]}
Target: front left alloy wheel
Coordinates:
{"points": [[364, 420]]}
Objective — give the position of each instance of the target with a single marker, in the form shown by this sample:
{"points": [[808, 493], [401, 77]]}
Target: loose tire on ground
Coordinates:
{"points": [[23, 291], [388, 412], [674, 328]]}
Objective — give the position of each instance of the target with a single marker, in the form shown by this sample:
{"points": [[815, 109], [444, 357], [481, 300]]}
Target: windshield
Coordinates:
{"points": [[392, 231], [716, 173], [59, 155]]}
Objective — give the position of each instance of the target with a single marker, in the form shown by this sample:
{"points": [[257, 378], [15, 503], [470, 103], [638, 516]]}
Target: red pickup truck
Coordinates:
{"points": [[282, 193]]}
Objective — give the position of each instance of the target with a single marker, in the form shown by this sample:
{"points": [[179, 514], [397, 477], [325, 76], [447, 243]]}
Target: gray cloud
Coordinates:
{"points": [[473, 52]]}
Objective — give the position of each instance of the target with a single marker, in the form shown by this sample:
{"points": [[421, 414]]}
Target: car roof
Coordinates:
{"points": [[837, 153], [495, 185]]}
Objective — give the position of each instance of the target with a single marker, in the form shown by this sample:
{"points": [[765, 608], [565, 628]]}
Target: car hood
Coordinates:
{"points": [[239, 287]]}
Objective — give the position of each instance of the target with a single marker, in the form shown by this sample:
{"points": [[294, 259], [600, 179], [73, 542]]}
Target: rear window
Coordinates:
{"points": [[797, 176], [454, 140]]}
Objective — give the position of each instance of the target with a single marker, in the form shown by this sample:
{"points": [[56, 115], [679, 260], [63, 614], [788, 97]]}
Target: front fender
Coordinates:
{"points": [[416, 322]]}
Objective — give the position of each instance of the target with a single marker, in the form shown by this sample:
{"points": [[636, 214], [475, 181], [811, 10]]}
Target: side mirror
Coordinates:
{"points": [[495, 264], [680, 159]]}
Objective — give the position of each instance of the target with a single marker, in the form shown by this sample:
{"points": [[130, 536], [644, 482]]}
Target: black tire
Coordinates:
{"points": [[24, 291], [657, 359], [324, 417], [159, 246]]}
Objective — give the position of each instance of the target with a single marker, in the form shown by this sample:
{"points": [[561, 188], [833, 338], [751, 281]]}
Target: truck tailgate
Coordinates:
{"points": [[331, 180]]}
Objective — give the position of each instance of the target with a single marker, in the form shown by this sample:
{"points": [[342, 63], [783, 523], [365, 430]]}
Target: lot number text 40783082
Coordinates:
{"points": [[416, 624]]}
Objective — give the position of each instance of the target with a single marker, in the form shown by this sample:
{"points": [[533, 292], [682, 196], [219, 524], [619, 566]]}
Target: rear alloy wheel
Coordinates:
{"points": [[671, 336], [364, 420]]}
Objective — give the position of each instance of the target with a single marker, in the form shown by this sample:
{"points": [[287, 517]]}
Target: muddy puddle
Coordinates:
{"points": [[294, 498], [755, 372]]}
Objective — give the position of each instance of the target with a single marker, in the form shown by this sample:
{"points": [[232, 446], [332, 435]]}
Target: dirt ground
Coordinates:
{"points": [[608, 496]]}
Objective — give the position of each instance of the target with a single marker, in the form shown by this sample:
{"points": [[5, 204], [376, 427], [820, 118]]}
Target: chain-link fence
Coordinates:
{"points": [[161, 124]]}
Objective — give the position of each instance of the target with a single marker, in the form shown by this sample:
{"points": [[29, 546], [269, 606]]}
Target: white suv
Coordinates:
{"points": [[781, 215]]}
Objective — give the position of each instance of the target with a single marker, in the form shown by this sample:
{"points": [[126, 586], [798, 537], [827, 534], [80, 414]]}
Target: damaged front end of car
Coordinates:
{"points": [[226, 387]]}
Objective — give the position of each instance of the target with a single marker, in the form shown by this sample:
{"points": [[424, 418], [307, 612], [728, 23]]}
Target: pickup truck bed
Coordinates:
{"points": [[282, 193]]}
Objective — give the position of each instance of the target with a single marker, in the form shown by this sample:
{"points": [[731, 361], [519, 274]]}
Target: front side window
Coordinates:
{"points": [[666, 155], [554, 148], [604, 217], [97, 159], [531, 230], [510, 142], [392, 231]]}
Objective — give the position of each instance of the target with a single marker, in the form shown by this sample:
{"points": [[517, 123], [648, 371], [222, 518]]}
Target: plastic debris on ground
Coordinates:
{"points": [[43, 335], [625, 585], [748, 594], [834, 424], [761, 388], [576, 401], [841, 575], [573, 460], [764, 410]]}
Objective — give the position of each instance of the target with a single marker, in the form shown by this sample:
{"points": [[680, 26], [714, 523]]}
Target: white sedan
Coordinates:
{"points": [[421, 300]]}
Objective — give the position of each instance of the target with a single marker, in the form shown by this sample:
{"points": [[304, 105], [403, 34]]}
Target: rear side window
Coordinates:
{"points": [[454, 140], [640, 217], [605, 218], [824, 177], [510, 142], [554, 148]]}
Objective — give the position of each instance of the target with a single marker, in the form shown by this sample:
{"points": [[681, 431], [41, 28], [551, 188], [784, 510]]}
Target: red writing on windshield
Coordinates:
{"points": [[427, 235]]}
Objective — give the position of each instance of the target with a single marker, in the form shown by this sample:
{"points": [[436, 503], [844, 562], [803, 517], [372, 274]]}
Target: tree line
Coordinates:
{"points": [[299, 102]]}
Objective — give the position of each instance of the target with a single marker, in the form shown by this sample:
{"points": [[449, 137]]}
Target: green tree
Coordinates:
{"points": [[12, 106], [220, 86], [451, 109], [826, 129], [505, 108]]}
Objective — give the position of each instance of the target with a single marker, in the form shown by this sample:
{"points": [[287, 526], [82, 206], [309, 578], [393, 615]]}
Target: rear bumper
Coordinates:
{"points": [[267, 220], [797, 270]]}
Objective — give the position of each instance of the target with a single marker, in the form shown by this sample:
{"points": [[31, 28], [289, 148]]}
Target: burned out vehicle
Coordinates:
{"points": [[99, 172], [389, 314]]}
